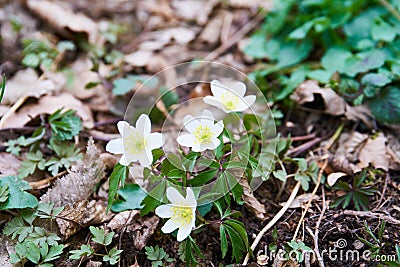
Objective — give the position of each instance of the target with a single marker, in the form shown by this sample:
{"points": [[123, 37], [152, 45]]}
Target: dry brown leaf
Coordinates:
{"points": [[251, 202], [27, 83], [139, 58], [64, 20], [300, 200], [333, 177], [80, 182], [5, 250], [194, 10], [94, 264], [9, 164], [266, 4], [333, 104], [141, 230], [394, 152], [81, 71], [374, 152], [122, 219], [212, 32], [80, 214], [47, 105]]}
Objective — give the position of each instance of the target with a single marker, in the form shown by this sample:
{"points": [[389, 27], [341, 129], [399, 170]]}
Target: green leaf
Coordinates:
{"points": [[224, 241], [18, 198], [292, 53], [383, 31], [169, 97], [301, 32], [4, 192], [85, 250], [112, 256], [335, 58], [31, 60], [376, 79], [386, 106], [119, 174], [100, 236], [280, 174], [65, 125], [202, 178], [32, 252], [304, 179], [54, 253], [132, 195], [2, 87], [363, 62], [152, 200], [238, 237]]}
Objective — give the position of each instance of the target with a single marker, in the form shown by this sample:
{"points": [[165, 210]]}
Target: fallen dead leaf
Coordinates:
{"points": [[265, 4], [333, 104], [94, 264], [47, 105], [212, 32], [333, 177], [139, 58], [251, 202], [141, 230], [193, 10], [81, 214], [81, 71], [374, 152], [65, 21], [122, 219], [5, 250], [9, 164], [27, 83]]}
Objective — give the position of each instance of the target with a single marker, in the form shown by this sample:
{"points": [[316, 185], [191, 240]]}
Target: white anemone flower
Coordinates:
{"points": [[203, 132], [229, 97], [136, 143], [182, 212]]}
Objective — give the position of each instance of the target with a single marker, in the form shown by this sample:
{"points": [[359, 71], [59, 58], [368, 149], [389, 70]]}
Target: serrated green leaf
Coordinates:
{"points": [[119, 174], [18, 198]]}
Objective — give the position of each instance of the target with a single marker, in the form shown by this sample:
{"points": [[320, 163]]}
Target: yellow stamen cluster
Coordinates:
{"points": [[182, 215], [135, 143], [230, 100], [203, 135]]}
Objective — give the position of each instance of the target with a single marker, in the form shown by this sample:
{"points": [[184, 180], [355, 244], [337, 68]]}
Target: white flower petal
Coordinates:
{"points": [[238, 88], [155, 140], [212, 101], [175, 197], [123, 161], [196, 148], [184, 232], [115, 146], [218, 128], [186, 140], [207, 118], [145, 159], [217, 88], [250, 99], [191, 123], [164, 211], [190, 198], [123, 127], [169, 227], [215, 142], [143, 124]]}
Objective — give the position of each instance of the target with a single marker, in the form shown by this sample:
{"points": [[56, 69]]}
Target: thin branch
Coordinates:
{"points": [[374, 215], [273, 221]]}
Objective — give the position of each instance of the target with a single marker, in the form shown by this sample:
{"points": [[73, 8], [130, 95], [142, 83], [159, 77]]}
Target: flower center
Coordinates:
{"points": [[230, 100], [203, 135], [182, 215], [135, 143]]}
